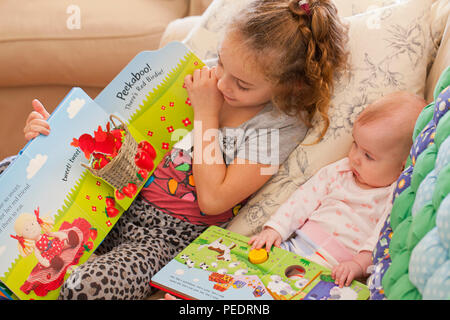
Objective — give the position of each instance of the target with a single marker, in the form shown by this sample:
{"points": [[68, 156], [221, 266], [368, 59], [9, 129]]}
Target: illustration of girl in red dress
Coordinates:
{"points": [[55, 251]]}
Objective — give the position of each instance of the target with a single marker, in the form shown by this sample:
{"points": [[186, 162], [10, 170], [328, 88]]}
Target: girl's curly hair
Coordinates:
{"points": [[299, 49]]}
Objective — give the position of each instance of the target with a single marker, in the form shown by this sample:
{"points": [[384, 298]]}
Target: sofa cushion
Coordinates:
{"points": [[389, 55], [55, 42]]}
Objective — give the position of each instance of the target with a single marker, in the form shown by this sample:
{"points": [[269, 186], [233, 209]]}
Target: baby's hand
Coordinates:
{"points": [[267, 238], [37, 121], [202, 88], [344, 273]]}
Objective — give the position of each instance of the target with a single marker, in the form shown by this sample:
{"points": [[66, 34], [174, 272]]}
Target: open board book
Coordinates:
{"points": [[54, 208], [217, 265]]}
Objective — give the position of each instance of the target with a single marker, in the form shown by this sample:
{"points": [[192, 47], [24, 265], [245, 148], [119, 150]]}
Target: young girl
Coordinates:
{"points": [[275, 67], [337, 215]]}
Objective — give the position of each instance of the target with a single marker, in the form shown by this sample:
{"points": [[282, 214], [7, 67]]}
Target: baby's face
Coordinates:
{"points": [[374, 158]]}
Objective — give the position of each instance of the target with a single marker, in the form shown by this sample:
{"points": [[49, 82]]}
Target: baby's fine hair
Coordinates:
{"points": [[299, 49], [398, 112]]}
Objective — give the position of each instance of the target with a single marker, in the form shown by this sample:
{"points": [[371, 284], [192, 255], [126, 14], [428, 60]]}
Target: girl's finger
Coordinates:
{"points": [[205, 72], [30, 135], [39, 108], [40, 123], [197, 74], [188, 80], [40, 129], [34, 115], [36, 130], [212, 73]]}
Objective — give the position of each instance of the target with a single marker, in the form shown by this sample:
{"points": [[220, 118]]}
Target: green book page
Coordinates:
{"points": [[75, 208]]}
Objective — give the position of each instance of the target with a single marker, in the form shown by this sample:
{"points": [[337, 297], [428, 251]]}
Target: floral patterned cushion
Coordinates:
{"points": [[389, 53]]}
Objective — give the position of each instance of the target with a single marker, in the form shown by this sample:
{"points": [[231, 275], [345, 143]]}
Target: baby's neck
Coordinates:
{"points": [[235, 116]]}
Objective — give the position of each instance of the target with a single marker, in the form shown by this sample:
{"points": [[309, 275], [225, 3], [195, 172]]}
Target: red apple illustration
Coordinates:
{"points": [[110, 202], [93, 233], [129, 190], [142, 174], [143, 160], [147, 147], [119, 195], [111, 212]]}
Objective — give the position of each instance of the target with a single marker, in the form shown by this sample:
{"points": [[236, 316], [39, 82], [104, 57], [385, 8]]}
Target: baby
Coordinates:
{"points": [[335, 217]]}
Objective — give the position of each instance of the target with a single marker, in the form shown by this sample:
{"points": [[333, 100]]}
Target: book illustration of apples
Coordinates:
{"points": [[93, 233], [111, 212], [119, 195], [142, 174], [110, 202], [88, 246], [147, 147]]}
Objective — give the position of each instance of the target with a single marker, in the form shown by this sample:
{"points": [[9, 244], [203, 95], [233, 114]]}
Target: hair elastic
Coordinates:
{"points": [[305, 6]]}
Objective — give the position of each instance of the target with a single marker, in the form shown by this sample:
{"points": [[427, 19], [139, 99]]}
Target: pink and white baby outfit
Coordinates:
{"points": [[329, 219]]}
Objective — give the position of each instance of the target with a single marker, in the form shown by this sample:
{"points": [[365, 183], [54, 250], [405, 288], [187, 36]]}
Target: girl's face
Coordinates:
{"points": [[241, 84], [374, 158]]}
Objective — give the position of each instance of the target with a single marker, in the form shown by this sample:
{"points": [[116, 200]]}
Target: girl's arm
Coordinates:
{"points": [[219, 187]]}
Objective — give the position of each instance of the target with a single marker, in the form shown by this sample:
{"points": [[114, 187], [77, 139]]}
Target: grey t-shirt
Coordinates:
{"points": [[267, 138]]}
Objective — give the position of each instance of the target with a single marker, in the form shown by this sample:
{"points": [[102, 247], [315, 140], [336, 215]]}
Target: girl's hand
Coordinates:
{"points": [[206, 99], [267, 238], [344, 273], [37, 121]]}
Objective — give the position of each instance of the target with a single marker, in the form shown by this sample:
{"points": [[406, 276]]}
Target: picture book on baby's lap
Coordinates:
{"points": [[220, 264], [65, 191]]}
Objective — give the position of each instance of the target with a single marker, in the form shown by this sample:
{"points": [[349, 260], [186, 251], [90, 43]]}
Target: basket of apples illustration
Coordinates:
{"points": [[116, 157]]}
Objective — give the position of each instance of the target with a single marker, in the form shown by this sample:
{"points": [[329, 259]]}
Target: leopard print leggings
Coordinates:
{"points": [[140, 244]]}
